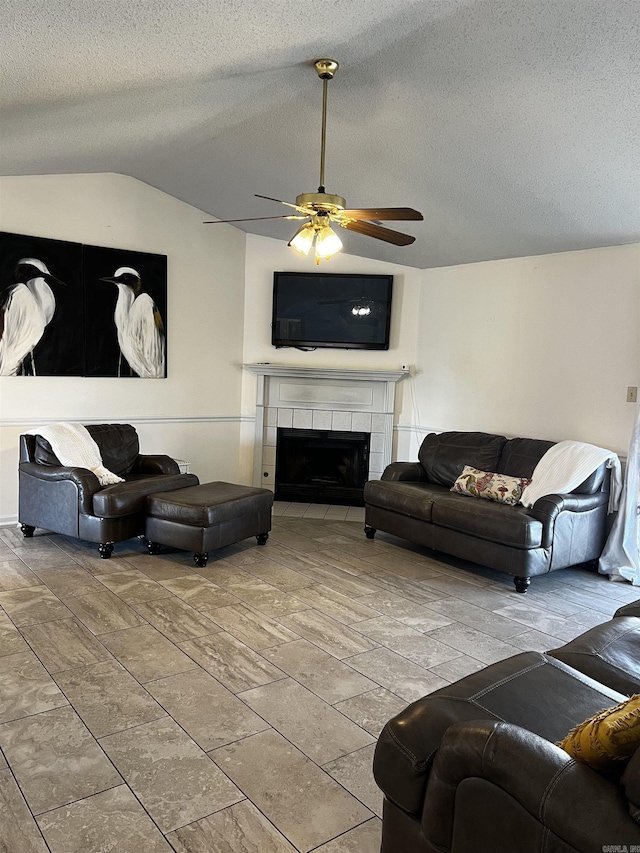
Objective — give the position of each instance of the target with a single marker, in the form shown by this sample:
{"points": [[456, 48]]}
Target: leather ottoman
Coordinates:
{"points": [[207, 517]]}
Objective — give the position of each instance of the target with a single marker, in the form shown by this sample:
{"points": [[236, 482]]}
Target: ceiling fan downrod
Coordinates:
{"points": [[326, 69]]}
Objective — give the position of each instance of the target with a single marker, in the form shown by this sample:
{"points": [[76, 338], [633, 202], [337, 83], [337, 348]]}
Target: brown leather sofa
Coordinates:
{"points": [[473, 768], [413, 500], [71, 501]]}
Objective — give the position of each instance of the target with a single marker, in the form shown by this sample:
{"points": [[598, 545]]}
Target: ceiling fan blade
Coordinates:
{"points": [[405, 213], [279, 200], [379, 232], [251, 219]]}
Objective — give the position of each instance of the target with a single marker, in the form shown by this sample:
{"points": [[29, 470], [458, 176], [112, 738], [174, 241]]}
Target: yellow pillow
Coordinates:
{"points": [[607, 738]]}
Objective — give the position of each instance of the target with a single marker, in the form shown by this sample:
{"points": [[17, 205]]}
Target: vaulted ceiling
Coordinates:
{"points": [[513, 125]]}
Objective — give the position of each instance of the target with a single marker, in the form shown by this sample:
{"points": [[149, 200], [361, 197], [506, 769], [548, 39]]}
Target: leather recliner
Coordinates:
{"points": [[71, 501], [473, 767]]}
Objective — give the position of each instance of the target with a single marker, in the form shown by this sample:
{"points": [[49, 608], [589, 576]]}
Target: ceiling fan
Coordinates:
{"points": [[321, 209]]}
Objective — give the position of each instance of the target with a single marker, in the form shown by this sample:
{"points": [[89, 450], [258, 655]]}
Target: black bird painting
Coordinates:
{"points": [[139, 326], [26, 308]]}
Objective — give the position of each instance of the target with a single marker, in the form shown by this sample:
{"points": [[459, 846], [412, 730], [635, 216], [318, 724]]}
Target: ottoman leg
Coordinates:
{"points": [[522, 584], [27, 530], [262, 538], [105, 549], [200, 560], [153, 548], [369, 531]]}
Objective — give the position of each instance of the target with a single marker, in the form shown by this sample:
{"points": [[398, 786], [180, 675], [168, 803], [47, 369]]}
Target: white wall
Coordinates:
{"points": [[194, 414], [266, 255], [542, 347]]}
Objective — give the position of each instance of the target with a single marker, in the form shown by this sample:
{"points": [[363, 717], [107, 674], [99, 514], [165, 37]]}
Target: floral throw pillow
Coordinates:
{"points": [[493, 487]]}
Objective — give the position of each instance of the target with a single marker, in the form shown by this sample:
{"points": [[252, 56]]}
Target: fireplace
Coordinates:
{"points": [[321, 466]]}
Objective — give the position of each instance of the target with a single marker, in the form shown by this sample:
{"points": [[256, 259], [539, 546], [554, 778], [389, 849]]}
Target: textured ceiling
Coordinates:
{"points": [[513, 125]]}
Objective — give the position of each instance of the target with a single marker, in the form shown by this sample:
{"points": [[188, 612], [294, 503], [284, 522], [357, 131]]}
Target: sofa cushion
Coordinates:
{"points": [[521, 455], [490, 486], [443, 455], [610, 653], [129, 497], [118, 444], [506, 525], [411, 499]]}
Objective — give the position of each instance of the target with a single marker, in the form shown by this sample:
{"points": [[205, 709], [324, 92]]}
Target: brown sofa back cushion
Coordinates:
{"points": [[118, 443], [443, 455], [521, 455]]}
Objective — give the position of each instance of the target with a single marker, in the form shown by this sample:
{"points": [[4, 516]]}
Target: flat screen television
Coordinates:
{"points": [[334, 310]]}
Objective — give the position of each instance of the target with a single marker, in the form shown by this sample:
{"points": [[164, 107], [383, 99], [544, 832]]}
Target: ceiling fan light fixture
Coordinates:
{"points": [[327, 242], [302, 240]]}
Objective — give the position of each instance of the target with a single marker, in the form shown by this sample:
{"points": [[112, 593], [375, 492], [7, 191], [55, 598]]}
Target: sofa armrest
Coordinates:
{"points": [[85, 481], [631, 609], [408, 471], [155, 464], [549, 507], [568, 799]]}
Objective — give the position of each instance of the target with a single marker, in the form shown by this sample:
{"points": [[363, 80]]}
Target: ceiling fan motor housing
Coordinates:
{"points": [[321, 201]]}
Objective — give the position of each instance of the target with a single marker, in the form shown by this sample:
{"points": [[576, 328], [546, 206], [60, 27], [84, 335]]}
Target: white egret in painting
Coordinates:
{"points": [[139, 326], [27, 307]]}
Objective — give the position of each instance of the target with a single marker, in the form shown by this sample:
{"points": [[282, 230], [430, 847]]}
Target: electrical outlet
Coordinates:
{"points": [[632, 393]]}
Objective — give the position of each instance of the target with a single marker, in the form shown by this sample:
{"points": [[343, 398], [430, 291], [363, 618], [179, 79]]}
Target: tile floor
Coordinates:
{"points": [[148, 706]]}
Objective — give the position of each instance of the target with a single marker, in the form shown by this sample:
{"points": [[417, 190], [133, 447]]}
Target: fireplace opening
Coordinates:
{"points": [[321, 466]]}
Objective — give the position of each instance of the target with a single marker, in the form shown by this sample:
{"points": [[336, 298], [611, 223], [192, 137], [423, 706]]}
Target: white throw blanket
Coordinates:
{"points": [[73, 445], [567, 464]]}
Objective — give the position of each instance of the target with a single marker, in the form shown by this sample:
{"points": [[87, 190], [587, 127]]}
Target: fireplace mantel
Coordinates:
{"points": [[267, 369], [325, 398]]}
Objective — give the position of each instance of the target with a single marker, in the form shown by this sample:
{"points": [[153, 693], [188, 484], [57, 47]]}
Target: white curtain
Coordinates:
{"points": [[621, 555]]}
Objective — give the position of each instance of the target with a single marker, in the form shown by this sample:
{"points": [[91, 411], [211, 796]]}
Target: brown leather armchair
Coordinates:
{"points": [[71, 501], [473, 767]]}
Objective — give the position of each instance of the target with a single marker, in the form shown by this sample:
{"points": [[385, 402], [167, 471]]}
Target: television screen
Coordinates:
{"points": [[338, 311]]}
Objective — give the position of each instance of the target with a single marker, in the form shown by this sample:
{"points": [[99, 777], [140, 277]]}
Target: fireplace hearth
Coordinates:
{"points": [[321, 466]]}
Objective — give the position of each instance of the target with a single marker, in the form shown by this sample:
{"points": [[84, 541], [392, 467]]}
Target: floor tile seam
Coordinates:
{"points": [[65, 704], [259, 810], [319, 648], [470, 624], [341, 834], [317, 695], [393, 651], [24, 799], [38, 815], [200, 666], [315, 764], [353, 752], [45, 621], [133, 794], [539, 613], [263, 648], [574, 595], [67, 668], [108, 759], [170, 716], [488, 636], [316, 607]]}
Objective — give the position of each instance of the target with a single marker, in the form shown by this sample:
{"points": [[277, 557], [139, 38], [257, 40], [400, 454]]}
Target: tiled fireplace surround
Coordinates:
{"points": [[324, 399]]}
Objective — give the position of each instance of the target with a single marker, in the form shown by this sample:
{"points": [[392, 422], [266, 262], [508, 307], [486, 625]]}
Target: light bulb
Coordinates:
{"points": [[302, 240], [327, 242]]}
